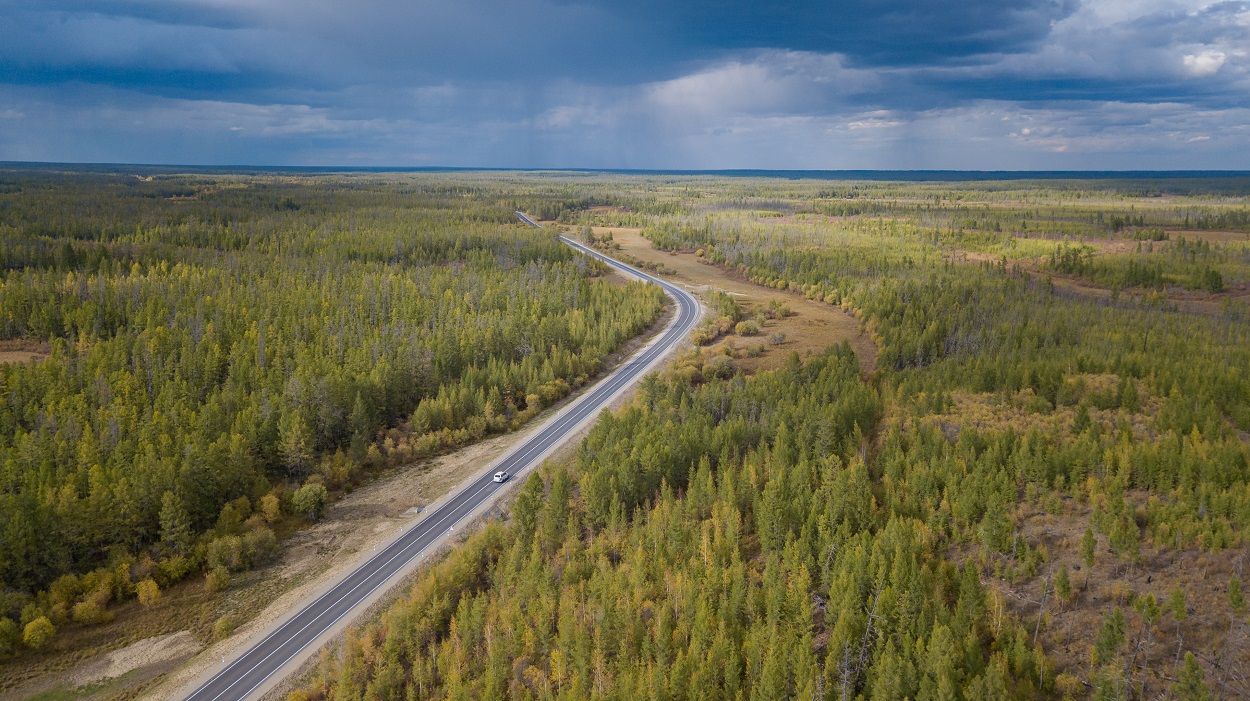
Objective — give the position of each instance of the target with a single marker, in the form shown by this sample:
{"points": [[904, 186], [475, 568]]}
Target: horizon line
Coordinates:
{"points": [[790, 173]]}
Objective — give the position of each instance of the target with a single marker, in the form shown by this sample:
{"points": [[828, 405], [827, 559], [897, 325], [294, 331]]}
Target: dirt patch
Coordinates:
{"points": [[21, 350], [1186, 301], [19, 357], [1210, 236], [813, 326], [607, 209], [372, 514], [1025, 411], [144, 653]]}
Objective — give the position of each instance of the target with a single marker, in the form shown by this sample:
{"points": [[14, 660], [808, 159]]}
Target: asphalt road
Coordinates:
{"points": [[266, 660]]}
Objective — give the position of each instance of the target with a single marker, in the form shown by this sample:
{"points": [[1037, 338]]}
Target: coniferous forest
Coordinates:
{"points": [[221, 351], [1040, 489]]}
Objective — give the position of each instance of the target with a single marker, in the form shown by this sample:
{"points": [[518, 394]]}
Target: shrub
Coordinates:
{"points": [[309, 501], [149, 592], [217, 579], [271, 507], [38, 633], [704, 335], [92, 611], [9, 636], [339, 469], [719, 367], [224, 626], [225, 552], [747, 328], [776, 339], [173, 569], [259, 546], [777, 310], [65, 590]]}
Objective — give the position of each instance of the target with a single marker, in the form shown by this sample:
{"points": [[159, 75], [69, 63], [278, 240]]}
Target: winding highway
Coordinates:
{"points": [[285, 644]]}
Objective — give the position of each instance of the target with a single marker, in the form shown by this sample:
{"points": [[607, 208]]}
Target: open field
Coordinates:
{"points": [[23, 350], [813, 327]]}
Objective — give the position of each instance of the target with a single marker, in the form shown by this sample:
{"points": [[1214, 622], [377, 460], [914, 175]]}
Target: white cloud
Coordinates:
{"points": [[1204, 64], [771, 82]]}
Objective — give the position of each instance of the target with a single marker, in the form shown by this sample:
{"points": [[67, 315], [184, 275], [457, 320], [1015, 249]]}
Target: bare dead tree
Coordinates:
{"points": [[869, 630], [845, 686], [1041, 608]]}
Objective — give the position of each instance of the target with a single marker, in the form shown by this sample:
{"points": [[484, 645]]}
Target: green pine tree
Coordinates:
{"points": [[1088, 543], [1190, 682], [175, 524], [1110, 638], [1063, 585]]}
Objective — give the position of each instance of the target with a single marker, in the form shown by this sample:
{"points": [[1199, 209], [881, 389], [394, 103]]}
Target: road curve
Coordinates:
{"points": [[251, 673]]}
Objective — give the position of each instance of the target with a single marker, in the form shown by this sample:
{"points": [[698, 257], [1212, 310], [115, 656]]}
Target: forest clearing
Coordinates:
{"points": [[810, 328]]}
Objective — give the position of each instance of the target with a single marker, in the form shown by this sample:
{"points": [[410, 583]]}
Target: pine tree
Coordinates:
{"points": [[1236, 599], [1087, 551], [1125, 538], [555, 515], [1190, 682], [1150, 612], [1110, 638], [1178, 609], [1082, 420], [175, 524], [296, 445], [1063, 585], [528, 504]]}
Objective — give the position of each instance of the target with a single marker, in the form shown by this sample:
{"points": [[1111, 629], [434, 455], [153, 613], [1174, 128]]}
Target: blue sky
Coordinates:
{"points": [[687, 84]]}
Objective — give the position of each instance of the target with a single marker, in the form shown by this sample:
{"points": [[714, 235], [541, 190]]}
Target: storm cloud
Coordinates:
{"points": [[690, 84]]}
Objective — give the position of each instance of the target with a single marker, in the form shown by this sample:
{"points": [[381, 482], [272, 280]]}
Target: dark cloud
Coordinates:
{"points": [[158, 11], [879, 32], [165, 45], [679, 83]]}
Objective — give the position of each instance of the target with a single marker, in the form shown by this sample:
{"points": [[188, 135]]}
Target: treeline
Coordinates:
{"points": [[203, 368]]}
